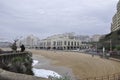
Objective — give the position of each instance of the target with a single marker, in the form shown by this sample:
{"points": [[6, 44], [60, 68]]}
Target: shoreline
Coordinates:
{"points": [[46, 64], [82, 65]]}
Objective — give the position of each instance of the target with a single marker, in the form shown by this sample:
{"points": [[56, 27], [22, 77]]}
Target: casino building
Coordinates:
{"points": [[62, 42]]}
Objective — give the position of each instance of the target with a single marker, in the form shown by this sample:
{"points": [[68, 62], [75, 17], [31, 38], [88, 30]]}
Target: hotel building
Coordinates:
{"points": [[115, 25]]}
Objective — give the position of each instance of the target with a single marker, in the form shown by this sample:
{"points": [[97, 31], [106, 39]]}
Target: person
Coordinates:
{"points": [[92, 54], [22, 48]]}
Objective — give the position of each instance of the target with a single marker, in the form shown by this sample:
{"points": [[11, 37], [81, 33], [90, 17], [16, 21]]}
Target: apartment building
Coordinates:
{"points": [[115, 25]]}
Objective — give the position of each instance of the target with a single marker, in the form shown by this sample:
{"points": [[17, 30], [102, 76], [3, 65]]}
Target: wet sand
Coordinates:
{"points": [[45, 63]]}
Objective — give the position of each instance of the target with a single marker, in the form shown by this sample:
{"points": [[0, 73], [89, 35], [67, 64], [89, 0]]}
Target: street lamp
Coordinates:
{"points": [[110, 45], [103, 52]]}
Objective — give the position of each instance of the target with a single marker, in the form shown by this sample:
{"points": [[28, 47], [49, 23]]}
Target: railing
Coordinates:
{"points": [[109, 77]]}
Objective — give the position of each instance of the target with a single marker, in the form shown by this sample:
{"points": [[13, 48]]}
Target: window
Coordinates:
{"points": [[78, 43], [72, 43], [54, 43], [65, 42], [75, 43], [68, 42]]}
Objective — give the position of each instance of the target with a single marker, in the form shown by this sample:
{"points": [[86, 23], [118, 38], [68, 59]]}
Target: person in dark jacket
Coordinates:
{"points": [[22, 48]]}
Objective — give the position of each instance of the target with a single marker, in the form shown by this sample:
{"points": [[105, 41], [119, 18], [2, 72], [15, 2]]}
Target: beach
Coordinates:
{"points": [[47, 64], [77, 65]]}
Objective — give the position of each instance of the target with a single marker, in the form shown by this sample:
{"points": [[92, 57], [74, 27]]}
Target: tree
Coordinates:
{"points": [[14, 46]]}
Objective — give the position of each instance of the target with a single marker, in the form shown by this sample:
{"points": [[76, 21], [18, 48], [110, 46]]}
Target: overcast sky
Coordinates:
{"points": [[47, 17]]}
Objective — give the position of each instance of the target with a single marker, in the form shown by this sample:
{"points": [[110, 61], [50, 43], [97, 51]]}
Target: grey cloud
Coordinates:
{"points": [[45, 17]]}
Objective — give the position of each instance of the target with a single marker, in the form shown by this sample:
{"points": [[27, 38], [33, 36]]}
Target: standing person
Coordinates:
{"points": [[22, 48], [92, 54]]}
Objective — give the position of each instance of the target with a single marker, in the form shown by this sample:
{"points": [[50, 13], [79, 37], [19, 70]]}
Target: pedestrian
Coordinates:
{"points": [[92, 54], [22, 48]]}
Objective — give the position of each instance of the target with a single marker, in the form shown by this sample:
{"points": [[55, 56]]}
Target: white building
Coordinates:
{"points": [[115, 25], [30, 41], [96, 38], [62, 42]]}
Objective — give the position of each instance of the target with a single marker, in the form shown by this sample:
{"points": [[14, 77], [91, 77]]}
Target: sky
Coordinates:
{"points": [[44, 18]]}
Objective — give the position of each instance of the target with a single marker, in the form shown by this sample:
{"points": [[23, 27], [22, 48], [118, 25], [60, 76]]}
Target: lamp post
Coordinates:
{"points": [[96, 46], [110, 45]]}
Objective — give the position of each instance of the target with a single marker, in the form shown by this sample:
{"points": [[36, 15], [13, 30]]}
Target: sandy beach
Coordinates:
{"points": [[45, 63], [78, 64]]}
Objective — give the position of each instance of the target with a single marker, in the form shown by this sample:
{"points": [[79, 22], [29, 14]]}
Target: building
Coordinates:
{"points": [[30, 41], [115, 25], [95, 38], [65, 41], [5, 44]]}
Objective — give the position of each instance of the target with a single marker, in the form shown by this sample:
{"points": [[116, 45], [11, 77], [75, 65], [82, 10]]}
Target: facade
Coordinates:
{"points": [[62, 42], [115, 25]]}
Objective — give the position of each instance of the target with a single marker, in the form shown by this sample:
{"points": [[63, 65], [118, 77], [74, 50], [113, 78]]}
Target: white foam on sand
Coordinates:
{"points": [[45, 73], [35, 62], [42, 72]]}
